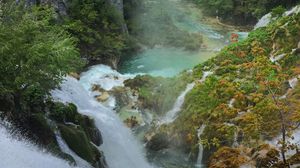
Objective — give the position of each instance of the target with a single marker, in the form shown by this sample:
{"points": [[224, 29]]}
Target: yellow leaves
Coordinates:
{"points": [[296, 70], [227, 157], [256, 50], [255, 97], [189, 138]]}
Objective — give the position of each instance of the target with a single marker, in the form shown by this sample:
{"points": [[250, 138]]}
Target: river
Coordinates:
{"points": [[162, 60]]}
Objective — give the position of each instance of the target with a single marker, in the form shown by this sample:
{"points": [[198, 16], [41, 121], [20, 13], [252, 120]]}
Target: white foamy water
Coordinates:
{"points": [[264, 21], [23, 154], [293, 82], [205, 75], [104, 76], [120, 147], [200, 153], [172, 114]]}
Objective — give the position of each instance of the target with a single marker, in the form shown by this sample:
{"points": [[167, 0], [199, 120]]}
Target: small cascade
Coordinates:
{"points": [[200, 153], [171, 115], [104, 76], [264, 21], [293, 82], [65, 148], [17, 152], [120, 147], [205, 75], [235, 140], [231, 102], [294, 10], [277, 58]]}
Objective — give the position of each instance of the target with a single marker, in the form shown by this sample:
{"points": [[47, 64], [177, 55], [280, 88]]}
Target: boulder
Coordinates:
{"points": [[158, 142], [78, 141], [97, 88], [75, 75], [103, 97]]}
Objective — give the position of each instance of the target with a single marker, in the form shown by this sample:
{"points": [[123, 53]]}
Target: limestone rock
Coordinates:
{"points": [[103, 97], [75, 75]]}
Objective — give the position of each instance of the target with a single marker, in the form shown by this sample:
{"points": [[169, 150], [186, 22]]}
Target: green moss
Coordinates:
{"points": [[156, 93], [78, 141]]}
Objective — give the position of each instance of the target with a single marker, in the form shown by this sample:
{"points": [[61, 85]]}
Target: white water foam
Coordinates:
{"points": [[120, 147], [19, 153]]}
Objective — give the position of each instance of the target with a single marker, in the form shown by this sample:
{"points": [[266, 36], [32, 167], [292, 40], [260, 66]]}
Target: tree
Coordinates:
{"points": [[34, 52], [289, 118]]}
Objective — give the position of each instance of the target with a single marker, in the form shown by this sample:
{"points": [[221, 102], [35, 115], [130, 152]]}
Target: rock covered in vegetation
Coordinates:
{"points": [[246, 73]]}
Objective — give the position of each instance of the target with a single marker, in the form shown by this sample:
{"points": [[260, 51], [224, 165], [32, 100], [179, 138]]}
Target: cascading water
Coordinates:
{"points": [[200, 153], [16, 153], [171, 115], [120, 148]]}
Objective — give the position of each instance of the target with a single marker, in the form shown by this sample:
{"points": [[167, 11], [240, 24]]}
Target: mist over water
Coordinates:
{"points": [[166, 27]]}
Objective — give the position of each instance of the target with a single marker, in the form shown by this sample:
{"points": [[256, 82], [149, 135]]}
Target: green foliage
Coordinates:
{"points": [[278, 11], [33, 51], [243, 12], [98, 26], [243, 72], [156, 93], [65, 113]]}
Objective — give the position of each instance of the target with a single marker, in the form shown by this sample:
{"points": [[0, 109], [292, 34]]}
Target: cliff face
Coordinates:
{"points": [[119, 4], [59, 5]]}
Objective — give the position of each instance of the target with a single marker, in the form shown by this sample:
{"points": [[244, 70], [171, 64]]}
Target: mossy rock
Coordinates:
{"points": [[78, 141], [92, 132], [158, 141], [40, 128]]}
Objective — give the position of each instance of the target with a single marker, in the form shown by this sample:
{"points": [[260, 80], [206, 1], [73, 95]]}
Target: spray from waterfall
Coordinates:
{"points": [[120, 147], [17, 152]]}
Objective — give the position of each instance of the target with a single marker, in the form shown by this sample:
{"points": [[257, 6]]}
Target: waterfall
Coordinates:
{"points": [[171, 115], [120, 147], [205, 75], [264, 21], [19, 153], [200, 153], [293, 82], [235, 139]]}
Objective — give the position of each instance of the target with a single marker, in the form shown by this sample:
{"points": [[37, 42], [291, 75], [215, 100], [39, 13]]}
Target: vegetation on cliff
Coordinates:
{"points": [[242, 12], [249, 99]]}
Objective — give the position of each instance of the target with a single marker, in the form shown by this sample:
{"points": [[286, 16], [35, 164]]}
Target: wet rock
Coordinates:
{"points": [[75, 75], [103, 97], [78, 141], [131, 122], [92, 131], [158, 142], [265, 155], [97, 88]]}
